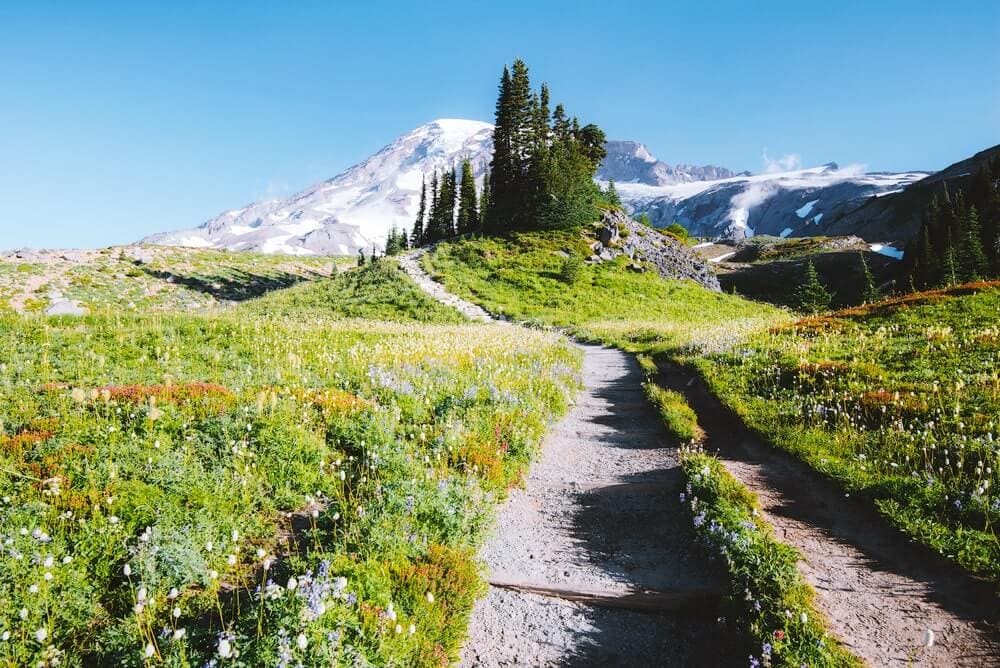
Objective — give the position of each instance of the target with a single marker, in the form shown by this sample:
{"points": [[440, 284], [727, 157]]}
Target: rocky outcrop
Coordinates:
{"points": [[648, 248]]}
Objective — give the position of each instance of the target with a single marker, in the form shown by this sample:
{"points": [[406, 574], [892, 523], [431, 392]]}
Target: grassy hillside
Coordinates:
{"points": [[377, 291], [899, 401], [537, 277], [144, 278], [187, 488]]}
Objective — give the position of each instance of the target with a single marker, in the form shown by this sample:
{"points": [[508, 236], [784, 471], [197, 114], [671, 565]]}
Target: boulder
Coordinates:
{"points": [[65, 307]]}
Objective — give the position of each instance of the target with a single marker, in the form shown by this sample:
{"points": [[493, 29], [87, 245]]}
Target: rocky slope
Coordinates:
{"points": [[619, 235]]}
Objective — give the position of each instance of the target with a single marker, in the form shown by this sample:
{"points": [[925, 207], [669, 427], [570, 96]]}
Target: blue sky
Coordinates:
{"points": [[121, 119]]}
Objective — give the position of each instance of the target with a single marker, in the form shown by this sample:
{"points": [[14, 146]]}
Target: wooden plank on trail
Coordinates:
{"points": [[642, 600]]}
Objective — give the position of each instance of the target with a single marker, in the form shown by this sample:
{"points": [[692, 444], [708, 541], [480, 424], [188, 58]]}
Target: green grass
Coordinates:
{"points": [[678, 417], [769, 604], [162, 461], [898, 401], [522, 277], [377, 291], [173, 279]]}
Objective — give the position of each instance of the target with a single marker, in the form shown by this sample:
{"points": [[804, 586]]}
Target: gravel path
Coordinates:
{"points": [[879, 590], [598, 512], [410, 263]]}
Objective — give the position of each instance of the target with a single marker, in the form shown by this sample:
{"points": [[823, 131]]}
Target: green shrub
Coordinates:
{"points": [[571, 269]]}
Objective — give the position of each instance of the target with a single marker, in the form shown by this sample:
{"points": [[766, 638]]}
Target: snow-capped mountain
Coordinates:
{"points": [[353, 210], [631, 162], [356, 209], [803, 202]]}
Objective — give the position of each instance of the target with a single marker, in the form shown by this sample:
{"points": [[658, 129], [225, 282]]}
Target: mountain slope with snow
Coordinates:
{"points": [[353, 210], [803, 202], [356, 209]]}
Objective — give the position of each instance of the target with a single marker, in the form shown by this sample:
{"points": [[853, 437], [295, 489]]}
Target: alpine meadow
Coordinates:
{"points": [[505, 393]]}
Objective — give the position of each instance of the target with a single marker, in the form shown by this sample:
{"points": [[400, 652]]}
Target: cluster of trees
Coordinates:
{"points": [[543, 166], [453, 207], [959, 237]]}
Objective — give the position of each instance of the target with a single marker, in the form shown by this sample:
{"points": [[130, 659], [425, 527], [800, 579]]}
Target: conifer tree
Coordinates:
{"points": [[972, 258], [468, 208], [484, 200], [870, 293], [417, 239], [611, 194], [361, 257], [949, 263], [432, 229], [812, 296]]}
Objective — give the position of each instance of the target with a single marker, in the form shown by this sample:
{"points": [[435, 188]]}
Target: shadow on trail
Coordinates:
{"points": [[813, 499], [635, 531]]}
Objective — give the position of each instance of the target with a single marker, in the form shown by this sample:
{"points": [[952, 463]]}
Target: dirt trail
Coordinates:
{"points": [[575, 526], [598, 514], [879, 590]]}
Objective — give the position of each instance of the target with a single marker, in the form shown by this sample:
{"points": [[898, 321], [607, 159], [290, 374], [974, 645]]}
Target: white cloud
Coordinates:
{"points": [[785, 163]]}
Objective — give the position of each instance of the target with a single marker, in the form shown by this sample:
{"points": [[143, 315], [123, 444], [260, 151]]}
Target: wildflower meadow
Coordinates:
{"points": [[245, 488]]}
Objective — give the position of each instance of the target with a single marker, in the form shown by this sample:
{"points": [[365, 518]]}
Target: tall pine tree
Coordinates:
{"points": [[484, 200], [468, 207], [812, 296], [973, 264], [417, 239]]}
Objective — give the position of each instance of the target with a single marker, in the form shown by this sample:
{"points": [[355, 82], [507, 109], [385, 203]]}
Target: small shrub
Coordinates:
{"points": [[571, 269]]}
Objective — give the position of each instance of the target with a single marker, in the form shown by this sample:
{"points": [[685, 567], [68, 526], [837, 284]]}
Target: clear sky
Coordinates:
{"points": [[118, 120]]}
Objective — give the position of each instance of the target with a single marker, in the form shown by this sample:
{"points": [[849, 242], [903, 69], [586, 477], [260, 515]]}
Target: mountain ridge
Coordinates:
{"points": [[355, 209]]}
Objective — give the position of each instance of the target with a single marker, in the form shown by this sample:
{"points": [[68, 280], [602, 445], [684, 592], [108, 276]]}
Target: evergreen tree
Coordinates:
{"points": [[432, 229], [395, 243], [468, 207], [949, 262], [417, 239], [484, 200], [361, 257], [452, 202], [611, 195], [972, 258], [812, 296], [870, 293], [502, 166], [541, 173]]}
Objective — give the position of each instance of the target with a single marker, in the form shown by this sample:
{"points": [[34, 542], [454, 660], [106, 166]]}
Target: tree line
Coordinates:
{"points": [[959, 238], [541, 173]]}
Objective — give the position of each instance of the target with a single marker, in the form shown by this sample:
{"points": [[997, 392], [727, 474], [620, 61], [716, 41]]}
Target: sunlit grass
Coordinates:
{"points": [[269, 484]]}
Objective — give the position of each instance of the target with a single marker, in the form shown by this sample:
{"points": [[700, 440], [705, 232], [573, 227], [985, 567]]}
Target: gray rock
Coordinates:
{"points": [[645, 246], [65, 307], [139, 255]]}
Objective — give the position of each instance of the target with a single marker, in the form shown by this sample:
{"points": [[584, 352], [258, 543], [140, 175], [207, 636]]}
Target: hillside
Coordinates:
{"points": [[259, 482], [143, 278], [534, 277]]}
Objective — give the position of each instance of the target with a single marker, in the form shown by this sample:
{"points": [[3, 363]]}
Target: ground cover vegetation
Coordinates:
{"points": [[268, 484], [143, 278], [898, 400], [524, 276]]}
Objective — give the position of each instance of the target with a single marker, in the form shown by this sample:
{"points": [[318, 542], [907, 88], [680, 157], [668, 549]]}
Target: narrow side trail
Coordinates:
{"points": [[879, 590], [592, 563]]}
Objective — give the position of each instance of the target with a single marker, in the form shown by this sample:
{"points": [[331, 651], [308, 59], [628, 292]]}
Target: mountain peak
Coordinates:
{"points": [[355, 209], [631, 162]]}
